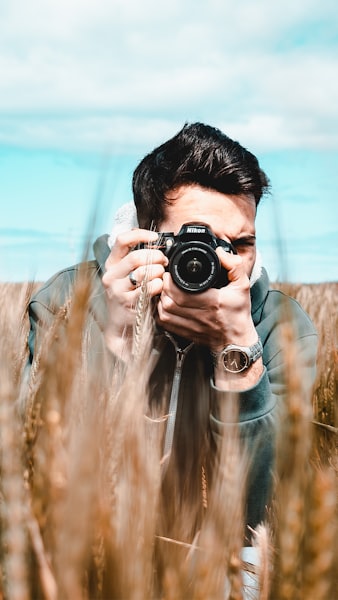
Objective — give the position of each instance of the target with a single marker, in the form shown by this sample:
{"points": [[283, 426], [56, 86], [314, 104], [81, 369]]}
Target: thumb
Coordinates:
{"points": [[232, 263]]}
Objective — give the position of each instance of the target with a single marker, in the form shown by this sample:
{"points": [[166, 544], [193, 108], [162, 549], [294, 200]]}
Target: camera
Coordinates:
{"points": [[193, 262]]}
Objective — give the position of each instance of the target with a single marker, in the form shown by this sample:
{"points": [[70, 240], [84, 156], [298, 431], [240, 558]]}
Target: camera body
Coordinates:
{"points": [[193, 262]]}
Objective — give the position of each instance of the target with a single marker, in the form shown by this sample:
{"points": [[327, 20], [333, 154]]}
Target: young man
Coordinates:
{"points": [[211, 343]]}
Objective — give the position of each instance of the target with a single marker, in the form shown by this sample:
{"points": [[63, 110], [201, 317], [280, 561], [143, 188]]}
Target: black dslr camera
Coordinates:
{"points": [[193, 262]]}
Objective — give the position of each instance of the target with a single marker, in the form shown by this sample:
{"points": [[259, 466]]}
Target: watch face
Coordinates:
{"points": [[235, 361]]}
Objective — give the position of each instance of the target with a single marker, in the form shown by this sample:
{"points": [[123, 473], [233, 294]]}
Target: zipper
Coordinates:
{"points": [[169, 434]]}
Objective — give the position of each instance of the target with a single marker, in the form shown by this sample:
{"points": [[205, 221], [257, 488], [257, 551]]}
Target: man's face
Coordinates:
{"points": [[231, 218]]}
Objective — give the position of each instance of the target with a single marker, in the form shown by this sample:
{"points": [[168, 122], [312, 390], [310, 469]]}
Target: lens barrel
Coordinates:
{"points": [[194, 266]]}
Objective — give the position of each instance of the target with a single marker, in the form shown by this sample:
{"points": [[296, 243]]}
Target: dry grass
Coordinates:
{"points": [[81, 502], [321, 302]]}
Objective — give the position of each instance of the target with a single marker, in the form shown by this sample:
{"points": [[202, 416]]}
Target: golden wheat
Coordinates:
{"points": [[81, 474]]}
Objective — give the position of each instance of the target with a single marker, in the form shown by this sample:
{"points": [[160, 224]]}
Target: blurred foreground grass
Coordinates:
{"points": [[80, 499]]}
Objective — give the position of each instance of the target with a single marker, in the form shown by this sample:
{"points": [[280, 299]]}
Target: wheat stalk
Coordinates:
{"points": [[105, 457]]}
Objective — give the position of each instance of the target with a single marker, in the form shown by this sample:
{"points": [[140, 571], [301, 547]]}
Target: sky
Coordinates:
{"points": [[88, 87]]}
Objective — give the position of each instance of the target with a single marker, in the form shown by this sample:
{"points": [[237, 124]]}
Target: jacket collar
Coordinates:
{"points": [[259, 292], [101, 251]]}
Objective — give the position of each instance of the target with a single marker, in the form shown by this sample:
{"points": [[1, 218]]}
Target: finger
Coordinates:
{"points": [[132, 261], [232, 263], [179, 298], [169, 310], [127, 241], [132, 278], [124, 287], [129, 294], [146, 272], [176, 323], [154, 287], [119, 287], [145, 258]]}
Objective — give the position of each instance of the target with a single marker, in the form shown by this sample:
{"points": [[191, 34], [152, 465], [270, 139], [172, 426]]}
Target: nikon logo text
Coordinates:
{"points": [[195, 229]]}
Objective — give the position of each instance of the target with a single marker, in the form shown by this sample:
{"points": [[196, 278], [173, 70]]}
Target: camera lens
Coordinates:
{"points": [[194, 267]]}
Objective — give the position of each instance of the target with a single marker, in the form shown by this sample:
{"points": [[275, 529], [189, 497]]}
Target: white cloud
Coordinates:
{"points": [[82, 73]]}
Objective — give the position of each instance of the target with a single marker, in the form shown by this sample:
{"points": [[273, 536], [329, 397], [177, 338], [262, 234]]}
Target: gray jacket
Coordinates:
{"points": [[193, 401]]}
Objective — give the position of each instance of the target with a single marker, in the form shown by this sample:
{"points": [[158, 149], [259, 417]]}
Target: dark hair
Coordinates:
{"points": [[198, 154]]}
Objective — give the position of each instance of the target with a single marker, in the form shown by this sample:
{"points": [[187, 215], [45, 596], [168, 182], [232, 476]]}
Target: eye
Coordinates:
{"points": [[243, 244]]}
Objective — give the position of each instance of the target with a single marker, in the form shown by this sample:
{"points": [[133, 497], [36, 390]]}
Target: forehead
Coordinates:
{"points": [[227, 215]]}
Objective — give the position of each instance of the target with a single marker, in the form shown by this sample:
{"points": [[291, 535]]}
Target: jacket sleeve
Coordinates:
{"points": [[258, 406], [262, 397], [45, 305], [41, 318]]}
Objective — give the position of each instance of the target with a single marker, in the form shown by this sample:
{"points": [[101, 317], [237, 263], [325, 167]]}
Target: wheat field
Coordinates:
{"points": [[80, 488]]}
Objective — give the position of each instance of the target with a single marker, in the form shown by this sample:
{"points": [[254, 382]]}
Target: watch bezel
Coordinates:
{"points": [[244, 361], [248, 355]]}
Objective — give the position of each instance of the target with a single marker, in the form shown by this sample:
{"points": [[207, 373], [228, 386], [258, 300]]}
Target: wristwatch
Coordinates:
{"points": [[236, 359]]}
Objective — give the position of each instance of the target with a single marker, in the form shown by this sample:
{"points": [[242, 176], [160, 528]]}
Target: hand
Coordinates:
{"points": [[121, 294], [215, 317]]}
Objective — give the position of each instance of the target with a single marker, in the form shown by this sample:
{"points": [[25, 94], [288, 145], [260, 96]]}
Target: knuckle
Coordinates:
{"points": [[155, 287], [119, 239], [246, 284], [166, 302], [164, 317], [108, 263], [106, 279]]}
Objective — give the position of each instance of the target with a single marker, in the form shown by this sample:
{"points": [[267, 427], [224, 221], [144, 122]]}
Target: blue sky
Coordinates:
{"points": [[87, 88]]}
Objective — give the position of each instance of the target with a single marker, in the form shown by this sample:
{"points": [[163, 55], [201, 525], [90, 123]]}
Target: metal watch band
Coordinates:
{"points": [[256, 350], [249, 355]]}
